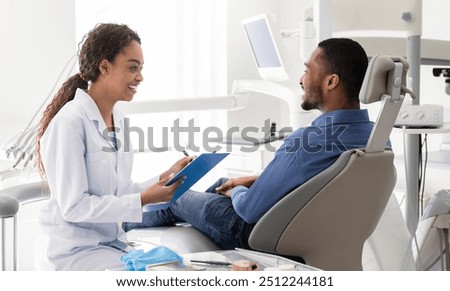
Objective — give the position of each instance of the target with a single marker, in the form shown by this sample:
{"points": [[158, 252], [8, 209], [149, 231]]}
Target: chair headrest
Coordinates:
{"points": [[375, 83]]}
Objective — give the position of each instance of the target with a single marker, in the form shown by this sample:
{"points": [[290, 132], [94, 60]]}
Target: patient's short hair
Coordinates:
{"points": [[347, 59]]}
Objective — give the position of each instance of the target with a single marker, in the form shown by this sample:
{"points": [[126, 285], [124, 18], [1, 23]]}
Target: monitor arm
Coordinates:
{"points": [[298, 116]]}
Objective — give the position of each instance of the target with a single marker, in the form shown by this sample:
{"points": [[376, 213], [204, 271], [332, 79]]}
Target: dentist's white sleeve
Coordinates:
{"points": [[66, 150]]}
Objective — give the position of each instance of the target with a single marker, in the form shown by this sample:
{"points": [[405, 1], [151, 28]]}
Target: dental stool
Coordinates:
{"points": [[10, 200], [8, 209]]}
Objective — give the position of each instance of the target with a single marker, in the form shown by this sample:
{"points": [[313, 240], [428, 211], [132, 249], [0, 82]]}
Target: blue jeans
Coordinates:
{"points": [[211, 213]]}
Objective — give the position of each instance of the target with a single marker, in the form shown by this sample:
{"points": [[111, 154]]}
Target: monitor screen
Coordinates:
{"points": [[262, 44], [267, 48]]}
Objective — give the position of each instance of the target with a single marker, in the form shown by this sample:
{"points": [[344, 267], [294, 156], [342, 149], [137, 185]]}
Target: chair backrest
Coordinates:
{"points": [[327, 219]]}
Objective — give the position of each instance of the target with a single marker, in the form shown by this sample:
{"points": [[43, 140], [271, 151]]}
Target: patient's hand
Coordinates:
{"points": [[225, 188]]}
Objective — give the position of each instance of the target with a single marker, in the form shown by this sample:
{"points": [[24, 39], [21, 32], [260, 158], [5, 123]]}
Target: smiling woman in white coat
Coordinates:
{"points": [[82, 157]]}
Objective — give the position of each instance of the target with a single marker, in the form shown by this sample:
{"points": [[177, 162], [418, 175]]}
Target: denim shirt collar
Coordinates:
{"points": [[341, 116]]}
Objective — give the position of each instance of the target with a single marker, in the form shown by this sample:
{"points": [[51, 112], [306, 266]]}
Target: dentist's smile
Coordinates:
{"points": [[133, 88]]}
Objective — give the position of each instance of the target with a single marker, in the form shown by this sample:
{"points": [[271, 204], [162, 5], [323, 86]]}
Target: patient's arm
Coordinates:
{"points": [[246, 181]]}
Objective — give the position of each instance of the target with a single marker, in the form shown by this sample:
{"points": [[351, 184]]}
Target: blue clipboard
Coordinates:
{"points": [[193, 172]]}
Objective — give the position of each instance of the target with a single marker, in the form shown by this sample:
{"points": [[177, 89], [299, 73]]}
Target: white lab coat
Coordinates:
{"points": [[91, 189]]}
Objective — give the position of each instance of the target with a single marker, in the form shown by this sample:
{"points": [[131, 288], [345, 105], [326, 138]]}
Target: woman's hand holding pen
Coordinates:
{"points": [[159, 192], [180, 164]]}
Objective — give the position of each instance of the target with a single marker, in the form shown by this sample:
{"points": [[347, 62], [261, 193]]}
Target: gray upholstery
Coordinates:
{"points": [[290, 205], [186, 239], [266, 235], [385, 81], [329, 230], [10, 198], [375, 83], [8, 207], [27, 193]]}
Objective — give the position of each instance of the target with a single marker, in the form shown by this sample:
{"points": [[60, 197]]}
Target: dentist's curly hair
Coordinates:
{"points": [[105, 41]]}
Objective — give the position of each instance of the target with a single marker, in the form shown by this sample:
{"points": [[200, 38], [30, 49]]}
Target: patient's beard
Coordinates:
{"points": [[306, 105], [312, 100]]}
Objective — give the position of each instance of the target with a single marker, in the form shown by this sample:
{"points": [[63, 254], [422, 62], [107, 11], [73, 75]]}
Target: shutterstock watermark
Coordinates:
{"points": [[249, 139]]}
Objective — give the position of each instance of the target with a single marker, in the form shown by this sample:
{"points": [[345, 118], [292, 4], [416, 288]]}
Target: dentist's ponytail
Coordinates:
{"points": [[65, 94], [105, 41]]}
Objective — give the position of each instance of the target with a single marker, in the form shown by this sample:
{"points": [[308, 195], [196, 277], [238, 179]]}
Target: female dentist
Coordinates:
{"points": [[81, 156]]}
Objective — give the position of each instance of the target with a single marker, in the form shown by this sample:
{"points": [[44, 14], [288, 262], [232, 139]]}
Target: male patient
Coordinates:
{"points": [[228, 210]]}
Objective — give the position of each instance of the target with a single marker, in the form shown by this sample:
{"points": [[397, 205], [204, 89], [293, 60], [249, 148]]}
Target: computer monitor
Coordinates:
{"points": [[266, 44]]}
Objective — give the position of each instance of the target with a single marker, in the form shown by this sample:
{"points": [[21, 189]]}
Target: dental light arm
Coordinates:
{"points": [[230, 102]]}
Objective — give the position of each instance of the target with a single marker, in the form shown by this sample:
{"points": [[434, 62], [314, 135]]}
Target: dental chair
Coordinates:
{"points": [[327, 220]]}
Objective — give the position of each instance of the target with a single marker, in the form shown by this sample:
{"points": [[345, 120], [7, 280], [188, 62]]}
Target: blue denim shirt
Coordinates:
{"points": [[304, 154]]}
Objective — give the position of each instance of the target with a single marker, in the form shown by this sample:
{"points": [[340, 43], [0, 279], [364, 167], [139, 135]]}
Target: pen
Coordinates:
{"points": [[185, 153], [219, 263]]}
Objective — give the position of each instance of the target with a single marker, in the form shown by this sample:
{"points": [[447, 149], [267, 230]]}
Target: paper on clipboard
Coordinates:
{"points": [[193, 172]]}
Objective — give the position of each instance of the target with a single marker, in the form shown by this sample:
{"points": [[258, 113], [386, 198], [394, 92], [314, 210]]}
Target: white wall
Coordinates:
{"points": [[240, 60], [38, 37]]}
